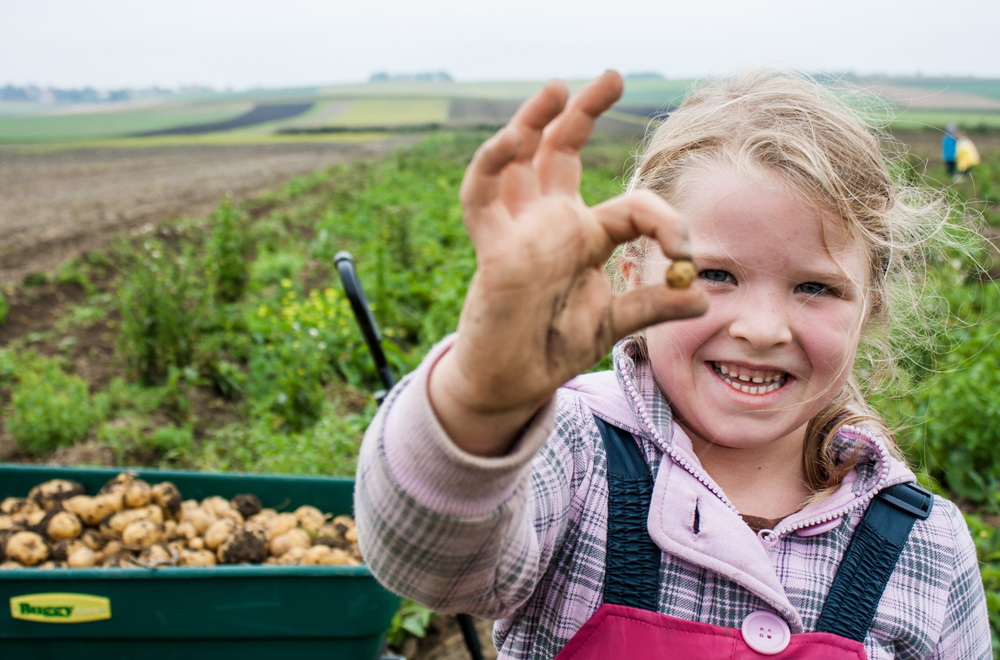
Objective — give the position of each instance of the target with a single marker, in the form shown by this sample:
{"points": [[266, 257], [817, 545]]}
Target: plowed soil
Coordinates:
{"points": [[54, 205]]}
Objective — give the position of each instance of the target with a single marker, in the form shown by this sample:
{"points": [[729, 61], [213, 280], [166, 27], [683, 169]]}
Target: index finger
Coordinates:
{"points": [[558, 159]]}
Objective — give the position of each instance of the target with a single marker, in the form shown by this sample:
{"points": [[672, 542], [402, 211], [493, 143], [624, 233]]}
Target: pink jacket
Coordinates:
{"points": [[521, 538]]}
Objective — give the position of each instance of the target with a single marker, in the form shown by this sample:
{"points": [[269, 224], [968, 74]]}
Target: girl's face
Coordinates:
{"points": [[786, 289]]}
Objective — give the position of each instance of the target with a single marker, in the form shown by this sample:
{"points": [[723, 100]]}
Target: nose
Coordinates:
{"points": [[762, 320]]}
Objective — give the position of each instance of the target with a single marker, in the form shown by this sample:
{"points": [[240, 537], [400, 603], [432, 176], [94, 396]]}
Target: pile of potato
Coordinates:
{"points": [[132, 523]]}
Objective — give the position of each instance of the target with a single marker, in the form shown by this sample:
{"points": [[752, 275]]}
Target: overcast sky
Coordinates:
{"points": [[246, 43]]}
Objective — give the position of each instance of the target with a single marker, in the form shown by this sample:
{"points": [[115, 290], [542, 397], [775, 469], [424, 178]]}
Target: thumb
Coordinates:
{"points": [[650, 305]]}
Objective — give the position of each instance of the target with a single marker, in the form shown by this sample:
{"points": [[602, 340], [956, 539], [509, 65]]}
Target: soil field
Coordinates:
{"points": [[54, 205]]}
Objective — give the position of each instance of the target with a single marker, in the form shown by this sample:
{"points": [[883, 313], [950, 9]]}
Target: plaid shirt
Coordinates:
{"points": [[521, 538]]}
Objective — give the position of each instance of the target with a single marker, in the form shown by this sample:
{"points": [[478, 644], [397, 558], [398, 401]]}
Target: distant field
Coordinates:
{"points": [[393, 112], [107, 124], [259, 116]]}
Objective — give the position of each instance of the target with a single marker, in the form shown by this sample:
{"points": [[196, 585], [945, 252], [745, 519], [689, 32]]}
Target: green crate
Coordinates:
{"points": [[243, 612]]}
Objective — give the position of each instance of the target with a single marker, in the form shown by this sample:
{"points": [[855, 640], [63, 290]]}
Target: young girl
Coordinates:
{"points": [[701, 499]]}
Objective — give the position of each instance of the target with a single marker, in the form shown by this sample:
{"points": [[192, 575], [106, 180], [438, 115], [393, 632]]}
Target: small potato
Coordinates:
{"points": [[282, 543], [200, 518], [92, 510], [118, 484], [263, 516], [310, 518], [63, 549], [10, 563], [243, 546], [92, 539], [681, 274], [196, 543], [326, 556], [16, 505], [64, 525], [110, 548], [352, 535], [248, 505], [122, 519], [347, 521], [138, 494], [7, 522], [186, 530], [220, 508], [82, 557], [35, 518], [217, 533], [167, 497], [169, 529], [293, 556], [280, 524], [27, 548], [156, 555], [143, 532], [196, 558], [51, 492]]}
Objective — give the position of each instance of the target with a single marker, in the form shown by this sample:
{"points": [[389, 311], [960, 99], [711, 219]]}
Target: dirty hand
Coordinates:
{"points": [[540, 308]]}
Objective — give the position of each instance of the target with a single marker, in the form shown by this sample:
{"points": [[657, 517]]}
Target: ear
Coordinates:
{"points": [[630, 273]]}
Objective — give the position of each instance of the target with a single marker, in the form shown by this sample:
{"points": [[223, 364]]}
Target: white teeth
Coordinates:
{"points": [[737, 380]]}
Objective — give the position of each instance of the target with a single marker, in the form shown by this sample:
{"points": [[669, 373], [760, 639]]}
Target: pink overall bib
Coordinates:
{"points": [[627, 626]]}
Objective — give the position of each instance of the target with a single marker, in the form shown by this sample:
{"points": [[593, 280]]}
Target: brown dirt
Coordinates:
{"points": [[54, 205]]}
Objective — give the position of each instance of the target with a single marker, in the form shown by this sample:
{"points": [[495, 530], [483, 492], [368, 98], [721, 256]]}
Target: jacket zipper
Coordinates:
{"points": [[778, 533]]}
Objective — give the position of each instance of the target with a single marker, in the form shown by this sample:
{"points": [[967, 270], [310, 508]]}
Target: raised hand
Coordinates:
{"points": [[540, 309]]}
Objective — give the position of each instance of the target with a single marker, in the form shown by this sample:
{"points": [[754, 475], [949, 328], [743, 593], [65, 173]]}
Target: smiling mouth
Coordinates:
{"points": [[749, 381]]}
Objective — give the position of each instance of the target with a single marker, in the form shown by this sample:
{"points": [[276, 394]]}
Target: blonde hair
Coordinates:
{"points": [[835, 156]]}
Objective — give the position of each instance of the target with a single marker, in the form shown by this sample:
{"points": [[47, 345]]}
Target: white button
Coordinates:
{"points": [[766, 633]]}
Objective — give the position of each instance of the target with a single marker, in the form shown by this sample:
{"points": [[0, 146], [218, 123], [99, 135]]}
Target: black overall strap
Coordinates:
{"points": [[632, 567], [870, 559]]}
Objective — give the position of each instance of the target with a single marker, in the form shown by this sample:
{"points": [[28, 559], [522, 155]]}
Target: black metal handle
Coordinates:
{"points": [[363, 313]]}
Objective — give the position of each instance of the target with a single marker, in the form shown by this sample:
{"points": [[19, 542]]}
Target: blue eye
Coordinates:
{"points": [[811, 288], [717, 275]]}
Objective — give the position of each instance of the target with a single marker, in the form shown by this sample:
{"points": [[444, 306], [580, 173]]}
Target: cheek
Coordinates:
{"points": [[831, 343]]}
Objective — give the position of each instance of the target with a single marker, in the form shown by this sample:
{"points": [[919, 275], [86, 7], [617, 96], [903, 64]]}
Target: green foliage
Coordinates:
{"points": [[76, 271], [158, 312], [4, 308], [952, 417], [410, 620], [329, 447], [48, 407], [35, 279], [227, 253]]}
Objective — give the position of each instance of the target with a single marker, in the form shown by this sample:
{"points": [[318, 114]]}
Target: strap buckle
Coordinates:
{"points": [[908, 498]]}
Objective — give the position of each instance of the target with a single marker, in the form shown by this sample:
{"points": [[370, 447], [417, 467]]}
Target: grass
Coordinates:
{"points": [[935, 120], [393, 112], [108, 123], [228, 138]]}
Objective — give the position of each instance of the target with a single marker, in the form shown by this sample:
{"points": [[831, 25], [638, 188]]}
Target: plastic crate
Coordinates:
{"points": [[243, 612]]}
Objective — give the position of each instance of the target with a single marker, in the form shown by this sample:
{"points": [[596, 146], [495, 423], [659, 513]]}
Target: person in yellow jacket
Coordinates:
{"points": [[966, 155]]}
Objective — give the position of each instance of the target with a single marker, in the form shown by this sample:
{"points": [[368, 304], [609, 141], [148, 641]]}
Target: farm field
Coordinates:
{"points": [[260, 115], [222, 340], [207, 330], [58, 203]]}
